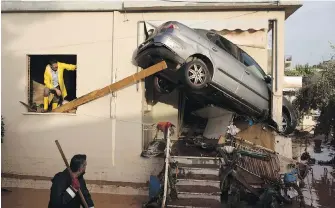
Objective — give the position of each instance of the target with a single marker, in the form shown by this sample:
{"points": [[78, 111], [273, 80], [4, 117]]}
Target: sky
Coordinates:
{"points": [[308, 32]]}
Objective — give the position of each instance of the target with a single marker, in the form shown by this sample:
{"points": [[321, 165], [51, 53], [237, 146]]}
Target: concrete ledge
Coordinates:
{"points": [[42, 182], [26, 6], [39, 6]]}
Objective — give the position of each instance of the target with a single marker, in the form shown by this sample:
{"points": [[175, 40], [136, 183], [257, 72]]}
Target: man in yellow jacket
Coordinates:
{"points": [[54, 82]]}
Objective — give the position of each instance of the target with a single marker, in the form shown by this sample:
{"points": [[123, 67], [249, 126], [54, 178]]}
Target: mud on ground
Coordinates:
{"points": [[39, 198]]}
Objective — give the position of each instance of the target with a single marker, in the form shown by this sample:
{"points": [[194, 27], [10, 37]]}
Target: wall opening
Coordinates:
{"points": [[40, 73]]}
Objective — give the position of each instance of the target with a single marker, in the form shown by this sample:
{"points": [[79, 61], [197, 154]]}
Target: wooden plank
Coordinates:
{"points": [[111, 88], [28, 107]]}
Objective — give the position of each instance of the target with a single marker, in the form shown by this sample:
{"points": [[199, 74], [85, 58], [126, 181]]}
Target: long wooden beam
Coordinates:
{"points": [[111, 88]]}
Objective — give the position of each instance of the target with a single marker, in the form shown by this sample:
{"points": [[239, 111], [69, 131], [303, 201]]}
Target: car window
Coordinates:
{"points": [[229, 46], [224, 44], [252, 65]]}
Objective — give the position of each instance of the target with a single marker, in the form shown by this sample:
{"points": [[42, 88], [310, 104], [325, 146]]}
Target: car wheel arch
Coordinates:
{"points": [[205, 59]]}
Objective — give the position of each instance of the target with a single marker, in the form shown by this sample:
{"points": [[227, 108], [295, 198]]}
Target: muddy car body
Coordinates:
{"points": [[212, 69]]}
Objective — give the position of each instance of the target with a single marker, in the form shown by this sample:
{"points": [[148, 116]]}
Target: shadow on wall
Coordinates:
{"points": [[153, 97]]}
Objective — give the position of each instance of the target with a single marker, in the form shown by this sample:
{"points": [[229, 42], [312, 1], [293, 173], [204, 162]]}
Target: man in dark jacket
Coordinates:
{"points": [[64, 189]]}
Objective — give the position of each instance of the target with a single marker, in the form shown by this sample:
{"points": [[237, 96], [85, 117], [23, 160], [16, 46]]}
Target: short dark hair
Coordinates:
{"points": [[77, 162], [53, 61]]}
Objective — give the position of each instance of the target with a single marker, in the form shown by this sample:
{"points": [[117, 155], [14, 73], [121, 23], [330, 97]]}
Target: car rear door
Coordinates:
{"points": [[253, 89], [227, 70]]}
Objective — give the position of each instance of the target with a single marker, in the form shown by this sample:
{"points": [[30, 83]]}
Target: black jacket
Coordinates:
{"points": [[62, 195]]}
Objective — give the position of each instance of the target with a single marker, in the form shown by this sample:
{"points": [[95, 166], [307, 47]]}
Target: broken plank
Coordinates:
{"points": [[28, 107], [111, 88]]}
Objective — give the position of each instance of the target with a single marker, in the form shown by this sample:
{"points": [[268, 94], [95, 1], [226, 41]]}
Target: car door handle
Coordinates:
{"points": [[247, 72], [214, 49]]}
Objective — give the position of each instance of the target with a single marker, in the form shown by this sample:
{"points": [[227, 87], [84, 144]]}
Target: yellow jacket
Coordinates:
{"points": [[61, 68]]}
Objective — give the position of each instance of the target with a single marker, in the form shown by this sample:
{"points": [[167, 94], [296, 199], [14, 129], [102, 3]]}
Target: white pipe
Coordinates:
{"points": [[292, 82], [167, 160]]}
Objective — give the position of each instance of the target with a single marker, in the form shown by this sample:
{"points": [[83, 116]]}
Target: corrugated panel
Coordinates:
{"points": [[219, 25], [249, 38]]}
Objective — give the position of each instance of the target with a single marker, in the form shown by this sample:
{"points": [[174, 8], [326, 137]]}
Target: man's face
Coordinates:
{"points": [[83, 169], [54, 66]]}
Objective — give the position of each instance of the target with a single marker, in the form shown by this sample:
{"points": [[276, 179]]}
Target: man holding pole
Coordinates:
{"points": [[66, 185]]}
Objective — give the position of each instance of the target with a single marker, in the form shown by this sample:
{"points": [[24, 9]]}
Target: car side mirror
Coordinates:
{"points": [[268, 79]]}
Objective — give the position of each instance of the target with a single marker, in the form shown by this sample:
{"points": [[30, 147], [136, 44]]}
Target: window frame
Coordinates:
{"points": [[30, 88]]}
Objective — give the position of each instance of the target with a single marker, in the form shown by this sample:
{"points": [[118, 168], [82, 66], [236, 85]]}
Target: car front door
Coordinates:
{"points": [[227, 70], [254, 89]]}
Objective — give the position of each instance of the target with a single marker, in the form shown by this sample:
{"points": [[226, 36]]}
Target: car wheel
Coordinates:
{"points": [[286, 124], [196, 74], [162, 86]]}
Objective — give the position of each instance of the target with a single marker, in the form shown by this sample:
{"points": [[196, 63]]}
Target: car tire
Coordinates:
{"points": [[162, 85], [196, 74], [286, 124]]}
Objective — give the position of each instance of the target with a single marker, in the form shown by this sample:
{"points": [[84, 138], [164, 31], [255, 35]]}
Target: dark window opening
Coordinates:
{"points": [[36, 68]]}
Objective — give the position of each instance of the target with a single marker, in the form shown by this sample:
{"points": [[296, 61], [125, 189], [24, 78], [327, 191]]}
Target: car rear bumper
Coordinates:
{"points": [[155, 53]]}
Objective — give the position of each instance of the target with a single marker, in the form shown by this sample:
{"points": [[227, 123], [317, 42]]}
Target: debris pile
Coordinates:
{"points": [[248, 174]]}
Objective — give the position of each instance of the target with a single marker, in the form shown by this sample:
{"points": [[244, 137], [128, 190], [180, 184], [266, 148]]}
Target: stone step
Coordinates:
{"points": [[192, 182], [199, 192], [195, 203], [195, 160], [202, 169], [198, 182], [198, 179]]}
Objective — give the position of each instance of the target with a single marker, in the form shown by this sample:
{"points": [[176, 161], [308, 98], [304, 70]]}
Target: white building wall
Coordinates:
{"points": [[108, 130]]}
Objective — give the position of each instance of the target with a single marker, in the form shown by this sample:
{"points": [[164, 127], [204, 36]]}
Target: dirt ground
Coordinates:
{"points": [[38, 198]]}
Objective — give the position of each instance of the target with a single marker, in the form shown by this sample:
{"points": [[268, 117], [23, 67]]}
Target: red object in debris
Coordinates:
{"points": [[163, 126]]}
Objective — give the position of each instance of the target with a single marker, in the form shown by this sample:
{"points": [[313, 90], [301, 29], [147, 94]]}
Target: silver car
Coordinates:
{"points": [[211, 68]]}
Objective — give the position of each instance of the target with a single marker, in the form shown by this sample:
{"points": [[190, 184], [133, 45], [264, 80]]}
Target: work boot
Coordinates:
{"points": [[54, 105], [46, 104]]}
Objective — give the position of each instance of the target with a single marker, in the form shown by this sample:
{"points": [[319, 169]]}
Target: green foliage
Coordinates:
{"points": [[301, 70], [318, 92]]}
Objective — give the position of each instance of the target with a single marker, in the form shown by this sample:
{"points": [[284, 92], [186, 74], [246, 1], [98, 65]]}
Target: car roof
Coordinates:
{"points": [[201, 32]]}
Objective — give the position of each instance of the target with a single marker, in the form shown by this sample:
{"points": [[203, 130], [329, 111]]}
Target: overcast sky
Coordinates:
{"points": [[308, 32]]}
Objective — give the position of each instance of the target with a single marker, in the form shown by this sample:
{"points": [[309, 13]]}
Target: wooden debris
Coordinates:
{"points": [[28, 107]]}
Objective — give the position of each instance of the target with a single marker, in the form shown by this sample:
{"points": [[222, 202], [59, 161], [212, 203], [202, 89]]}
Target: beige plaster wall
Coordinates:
{"points": [[29, 146]]}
